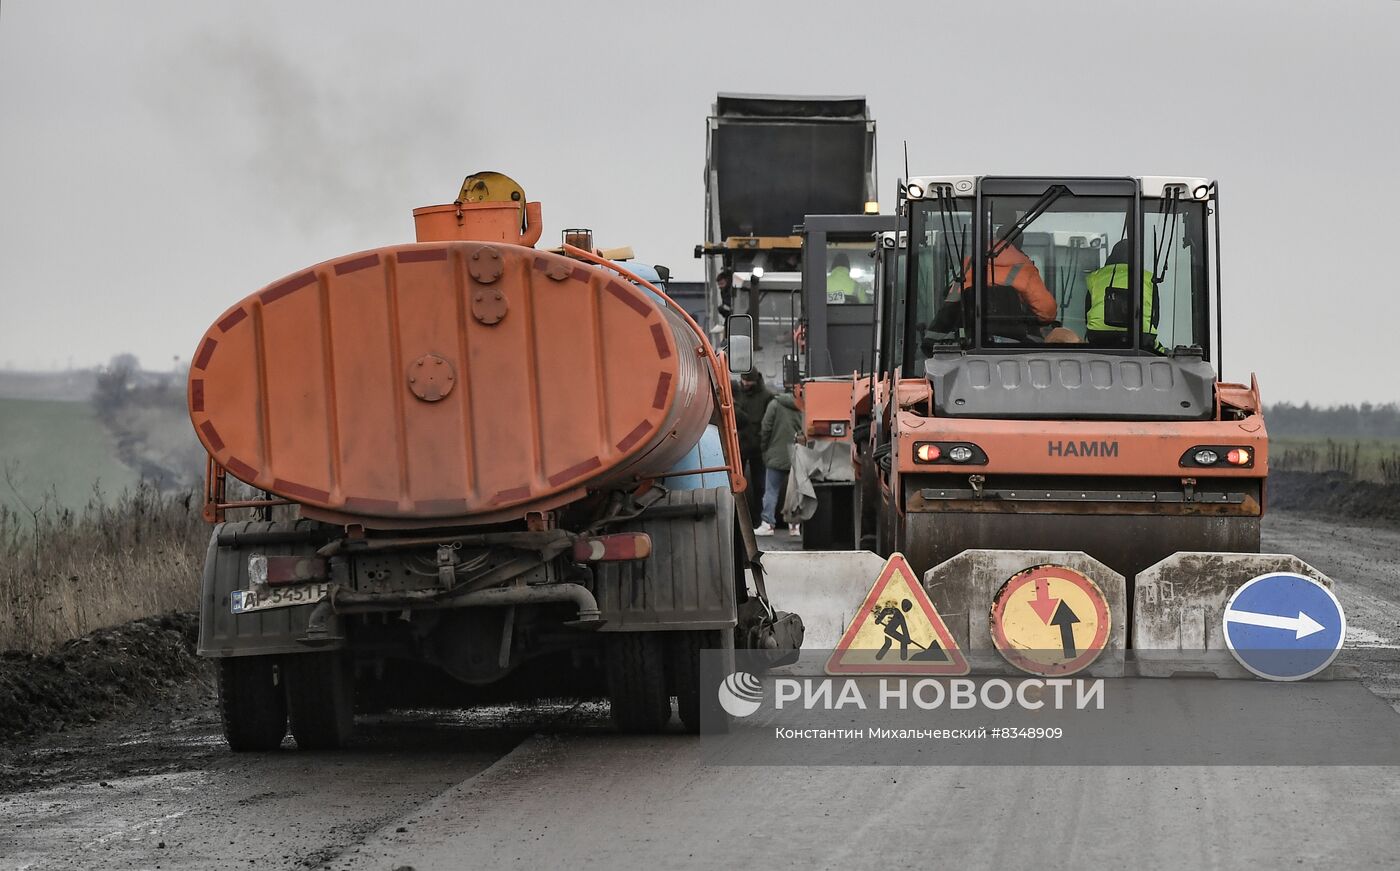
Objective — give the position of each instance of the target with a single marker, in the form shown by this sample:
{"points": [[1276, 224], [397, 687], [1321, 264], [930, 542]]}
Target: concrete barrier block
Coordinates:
{"points": [[824, 587], [1178, 606]]}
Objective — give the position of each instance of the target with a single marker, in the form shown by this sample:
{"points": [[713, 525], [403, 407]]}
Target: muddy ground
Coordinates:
{"points": [[158, 789]]}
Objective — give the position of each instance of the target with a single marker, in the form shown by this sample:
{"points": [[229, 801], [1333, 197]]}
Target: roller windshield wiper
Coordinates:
{"points": [[1169, 208], [956, 244], [1012, 233]]}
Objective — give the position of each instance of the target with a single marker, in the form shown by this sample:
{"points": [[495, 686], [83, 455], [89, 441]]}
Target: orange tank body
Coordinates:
{"points": [[448, 382]]}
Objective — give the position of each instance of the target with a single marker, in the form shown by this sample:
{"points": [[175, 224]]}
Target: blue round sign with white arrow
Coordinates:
{"points": [[1283, 626]]}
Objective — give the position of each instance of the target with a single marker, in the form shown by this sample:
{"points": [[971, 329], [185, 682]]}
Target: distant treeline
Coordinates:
{"points": [[1364, 421]]}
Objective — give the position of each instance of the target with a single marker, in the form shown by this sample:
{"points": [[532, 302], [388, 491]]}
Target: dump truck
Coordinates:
{"points": [[476, 457], [772, 161], [769, 162], [1046, 389]]}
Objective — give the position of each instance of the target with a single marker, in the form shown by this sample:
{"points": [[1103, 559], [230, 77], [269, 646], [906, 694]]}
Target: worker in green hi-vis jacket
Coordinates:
{"points": [[1109, 306]]}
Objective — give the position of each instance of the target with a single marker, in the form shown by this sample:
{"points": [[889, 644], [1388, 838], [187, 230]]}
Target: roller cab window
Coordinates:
{"points": [[1053, 269]]}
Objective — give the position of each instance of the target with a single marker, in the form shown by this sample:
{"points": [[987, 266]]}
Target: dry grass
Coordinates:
{"points": [[64, 573], [1376, 459]]}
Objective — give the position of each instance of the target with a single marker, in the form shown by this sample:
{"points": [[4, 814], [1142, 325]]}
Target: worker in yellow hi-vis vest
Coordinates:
{"points": [[841, 286], [1109, 306]]}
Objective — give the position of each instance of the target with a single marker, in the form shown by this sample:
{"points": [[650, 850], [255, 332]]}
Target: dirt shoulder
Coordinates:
{"points": [[142, 664], [1335, 495]]}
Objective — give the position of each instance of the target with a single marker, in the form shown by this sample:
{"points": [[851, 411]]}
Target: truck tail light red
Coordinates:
{"points": [[277, 571], [618, 547]]}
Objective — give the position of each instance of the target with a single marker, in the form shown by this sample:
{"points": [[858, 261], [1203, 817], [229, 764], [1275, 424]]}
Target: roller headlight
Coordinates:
{"points": [[1218, 456], [949, 453]]}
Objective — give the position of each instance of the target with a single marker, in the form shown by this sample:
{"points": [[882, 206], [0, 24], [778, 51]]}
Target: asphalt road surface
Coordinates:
{"points": [[552, 786]]}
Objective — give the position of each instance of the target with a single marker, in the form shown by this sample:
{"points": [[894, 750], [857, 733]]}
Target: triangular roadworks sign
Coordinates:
{"points": [[897, 631]]}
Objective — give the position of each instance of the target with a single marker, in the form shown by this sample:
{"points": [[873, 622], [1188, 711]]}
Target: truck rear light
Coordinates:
{"points": [[275, 571], [1206, 457], [960, 453], [618, 547], [835, 428], [927, 452], [1239, 457]]}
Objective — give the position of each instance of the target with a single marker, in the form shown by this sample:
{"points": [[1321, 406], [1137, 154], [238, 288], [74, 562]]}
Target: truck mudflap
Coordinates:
{"points": [[223, 633], [1179, 606], [688, 582]]}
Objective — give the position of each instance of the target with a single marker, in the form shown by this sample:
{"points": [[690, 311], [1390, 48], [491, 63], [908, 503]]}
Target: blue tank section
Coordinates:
{"points": [[708, 453]]}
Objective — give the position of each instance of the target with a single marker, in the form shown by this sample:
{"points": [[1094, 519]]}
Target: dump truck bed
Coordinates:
{"points": [[778, 159]]}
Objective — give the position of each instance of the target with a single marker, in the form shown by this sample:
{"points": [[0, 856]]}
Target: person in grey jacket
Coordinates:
{"points": [[782, 425]]}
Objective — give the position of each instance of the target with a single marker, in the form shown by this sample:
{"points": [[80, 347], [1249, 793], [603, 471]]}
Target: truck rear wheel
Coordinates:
{"points": [[252, 703], [320, 699], [636, 667], [692, 697]]}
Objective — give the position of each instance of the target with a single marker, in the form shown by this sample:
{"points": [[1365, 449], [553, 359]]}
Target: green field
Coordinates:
{"points": [[58, 449], [1370, 457]]}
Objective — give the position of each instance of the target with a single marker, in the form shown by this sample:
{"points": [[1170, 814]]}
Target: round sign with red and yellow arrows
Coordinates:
{"points": [[1050, 620]]}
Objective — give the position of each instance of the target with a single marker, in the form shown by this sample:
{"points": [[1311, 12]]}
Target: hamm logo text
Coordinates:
{"points": [[1083, 449]]}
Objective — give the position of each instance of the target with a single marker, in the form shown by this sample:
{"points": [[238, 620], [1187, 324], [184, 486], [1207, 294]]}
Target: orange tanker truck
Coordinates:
{"points": [[499, 458]]}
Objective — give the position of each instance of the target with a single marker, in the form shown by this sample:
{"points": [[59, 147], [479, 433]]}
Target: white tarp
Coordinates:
{"points": [[820, 460]]}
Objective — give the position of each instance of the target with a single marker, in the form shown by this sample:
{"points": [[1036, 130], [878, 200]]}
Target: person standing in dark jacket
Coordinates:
{"points": [[751, 398], [725, 282], [782, 426]]}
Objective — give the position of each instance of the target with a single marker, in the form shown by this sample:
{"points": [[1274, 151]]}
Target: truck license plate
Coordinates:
{"points": [[243, 601]]}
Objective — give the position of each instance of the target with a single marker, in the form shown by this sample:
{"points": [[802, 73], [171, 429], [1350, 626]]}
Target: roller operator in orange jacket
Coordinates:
{"points": [[1011, 269]]}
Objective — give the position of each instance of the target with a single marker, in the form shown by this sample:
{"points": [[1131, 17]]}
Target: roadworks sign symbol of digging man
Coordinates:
{"points": [[897, 631]]}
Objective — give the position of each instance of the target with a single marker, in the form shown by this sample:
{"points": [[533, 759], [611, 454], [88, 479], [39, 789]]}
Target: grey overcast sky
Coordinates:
{"points": [[161, 160]]}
